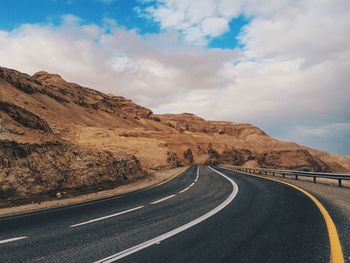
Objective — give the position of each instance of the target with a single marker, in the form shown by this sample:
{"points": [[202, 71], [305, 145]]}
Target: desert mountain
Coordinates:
{"points": [[60, 136]]}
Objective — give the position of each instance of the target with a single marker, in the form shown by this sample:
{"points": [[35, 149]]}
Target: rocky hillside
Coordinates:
{"points": [[57, 136]]}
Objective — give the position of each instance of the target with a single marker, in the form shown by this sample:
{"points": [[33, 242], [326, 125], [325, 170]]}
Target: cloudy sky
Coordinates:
{"points": [[282, 65]]}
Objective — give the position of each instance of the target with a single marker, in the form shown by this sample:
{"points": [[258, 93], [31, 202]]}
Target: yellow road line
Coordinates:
{"points": [[335, 246]]}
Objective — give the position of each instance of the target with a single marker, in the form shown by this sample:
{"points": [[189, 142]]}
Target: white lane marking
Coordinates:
{"points": [[163, 199], [178, 230], [184, 190], [12, 239], [105, 217], [191, 185]]}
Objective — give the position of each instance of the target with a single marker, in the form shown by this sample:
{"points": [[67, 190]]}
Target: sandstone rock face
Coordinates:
{"points": [[57, 137], [188, 156], [30, 170], [24, 117]]}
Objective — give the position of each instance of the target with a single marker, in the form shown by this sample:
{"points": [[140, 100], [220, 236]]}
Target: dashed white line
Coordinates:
{"points": [[163, 199], [133, 209], [195, 180], [12, 239], [178, 230], [105, 217]]}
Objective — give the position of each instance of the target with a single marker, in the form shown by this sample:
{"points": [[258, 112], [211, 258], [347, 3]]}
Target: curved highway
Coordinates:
{"points": [[202, 215]]}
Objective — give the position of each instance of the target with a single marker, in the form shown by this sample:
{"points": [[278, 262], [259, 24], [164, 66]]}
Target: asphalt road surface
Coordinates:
{"points": [[202, 215]]}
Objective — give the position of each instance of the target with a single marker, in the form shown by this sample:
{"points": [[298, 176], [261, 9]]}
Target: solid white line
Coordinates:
{"points": [[163, 199], [105, 217], [12, 239], [175, 231], [184, 190], [191, 185]]}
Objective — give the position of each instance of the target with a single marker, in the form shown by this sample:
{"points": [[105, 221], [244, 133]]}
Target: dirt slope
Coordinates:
{"points": [[57, 136]]}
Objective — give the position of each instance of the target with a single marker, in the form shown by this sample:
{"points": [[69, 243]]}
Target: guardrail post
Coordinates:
{"points": [[314, 179], [283, 175], [296, 177], [339, 182]]}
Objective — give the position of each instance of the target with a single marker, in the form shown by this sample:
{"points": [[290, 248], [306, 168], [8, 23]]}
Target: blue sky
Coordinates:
{"points": [[17, 12], [229, 39], [263, 62]]}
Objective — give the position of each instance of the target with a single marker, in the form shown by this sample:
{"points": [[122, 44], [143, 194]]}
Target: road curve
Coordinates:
{"points": [[202, 215]]}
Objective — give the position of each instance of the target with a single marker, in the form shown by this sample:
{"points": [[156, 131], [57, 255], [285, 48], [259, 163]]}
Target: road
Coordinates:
{"points": [[202, 215]]}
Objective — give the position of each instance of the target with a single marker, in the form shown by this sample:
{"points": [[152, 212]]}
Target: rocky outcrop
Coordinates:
{"points": [[302, 160], [236, 157], [172, 159], [229, 156], [24, 117], [67, 92], [188, 157], [192, 123], [20, 80], [33, 170]]}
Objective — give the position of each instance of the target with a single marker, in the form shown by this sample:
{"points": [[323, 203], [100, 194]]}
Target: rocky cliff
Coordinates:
{"points": [[57, 136]]}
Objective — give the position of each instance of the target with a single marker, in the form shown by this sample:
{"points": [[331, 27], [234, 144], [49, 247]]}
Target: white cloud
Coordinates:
{"points": [[312, 31], [152, 69], [214, 26], [293, 73], [197, 21]]}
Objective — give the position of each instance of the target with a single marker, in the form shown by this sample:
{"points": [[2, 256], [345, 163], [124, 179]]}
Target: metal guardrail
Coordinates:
{"points": [[294, 173]]}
